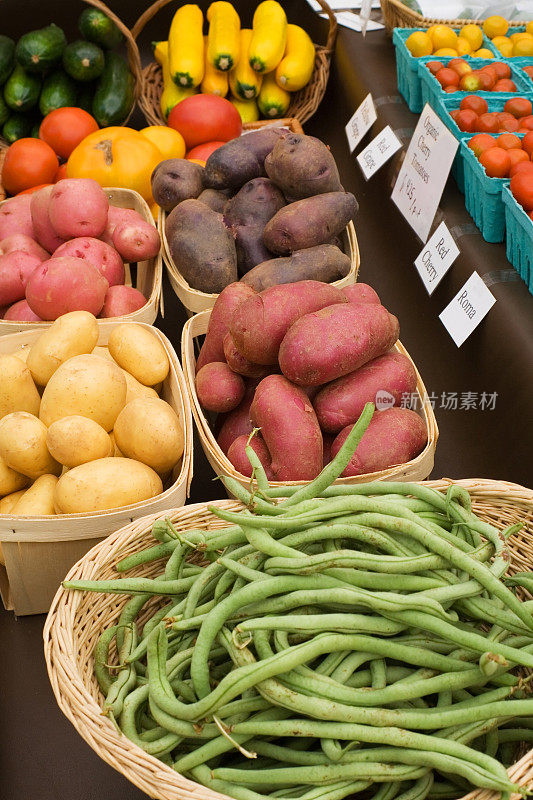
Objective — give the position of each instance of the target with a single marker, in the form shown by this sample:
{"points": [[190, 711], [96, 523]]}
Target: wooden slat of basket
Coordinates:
{"points": [[398, 15]]}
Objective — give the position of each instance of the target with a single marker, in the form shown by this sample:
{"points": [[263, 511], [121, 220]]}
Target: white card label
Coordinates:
{"points": [[436, 257], [361, 122], [378, 152], [468, 308], [423, 174]]}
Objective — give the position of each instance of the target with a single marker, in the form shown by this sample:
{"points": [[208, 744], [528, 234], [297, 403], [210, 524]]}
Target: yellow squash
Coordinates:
{"points": [[223, 41], [214, 82], [171, 94], [244, 81], [273, 101], [246, 108], [269, 36], [186, 46], [296, 67]]}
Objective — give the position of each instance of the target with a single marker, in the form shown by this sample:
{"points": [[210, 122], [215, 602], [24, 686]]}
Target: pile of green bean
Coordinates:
{"points": [[341, 640]]}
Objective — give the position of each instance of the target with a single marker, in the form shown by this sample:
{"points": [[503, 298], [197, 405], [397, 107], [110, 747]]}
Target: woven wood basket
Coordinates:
{"points": [[39, 550], [398, 15], [76, 620], [415, 470], [303, 105]]}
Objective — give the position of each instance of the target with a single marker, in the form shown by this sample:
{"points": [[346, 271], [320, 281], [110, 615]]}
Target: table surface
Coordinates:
{"points": [[41, 755]]}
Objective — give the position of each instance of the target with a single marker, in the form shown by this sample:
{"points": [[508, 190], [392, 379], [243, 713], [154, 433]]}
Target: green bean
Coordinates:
{"points": [[146, 556], [163, 744], [101, 659], [317, 622], [134, 586], [258, 471], [378, 671], [419, 790], [126, 678], [128, 614]]}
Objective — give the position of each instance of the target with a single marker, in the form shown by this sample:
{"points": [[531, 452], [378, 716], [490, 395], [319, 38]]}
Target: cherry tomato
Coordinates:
{"points": [[481, 142], [508, 125], [518, 107], [487, 80], [28, 162], [460, 66], [527, 143], [526, 123], [502, 69], [529, 71], [434, 66], [467, 120], [487, 124], [450, 89], [474, 103], [508, 141], [504, 85], [496, 162], [64, 128], [518, 157], [470, 82], [522, 166], [522, 188], [203, 151], [205, 118]]}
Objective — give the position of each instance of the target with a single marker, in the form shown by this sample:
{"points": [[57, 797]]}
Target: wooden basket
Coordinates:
{"points": [[38, 551], [398, 15], [149, 275], [76, 620], [303, 105], [417, 469]]}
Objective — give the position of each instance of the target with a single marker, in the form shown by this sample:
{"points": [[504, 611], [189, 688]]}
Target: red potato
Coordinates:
{"points": [[219, 321], [15, 270], [65, 284], [78, 207], [260, 323], [19, 241], [237, 422], [44, 232], [15, 216], [335, 341], [120, 300], [395, 436], [105, 258], [21, 312], [289, 427], [361, 293], [239, 459], [384, 379], [115, 216], [136, 241], [239, 363], [219, 388], [328, 440]]}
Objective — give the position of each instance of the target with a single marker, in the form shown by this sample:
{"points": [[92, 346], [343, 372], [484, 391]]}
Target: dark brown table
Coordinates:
{"points": [[41, 755]]}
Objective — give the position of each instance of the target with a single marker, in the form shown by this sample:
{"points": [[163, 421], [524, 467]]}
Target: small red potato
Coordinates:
{"points": [[19, 241], [44, 232], [237, 422], [15, 216], [219, 321], [361, 293], [65, 284], [21, 312], [115, 216], [239, 363], [219, 388], [136, 241], [105, 258], [15, 270], [239, 459], [385, 378], [78, 207], [120, 300], [289, 428], [394, 436], [335, 341]]}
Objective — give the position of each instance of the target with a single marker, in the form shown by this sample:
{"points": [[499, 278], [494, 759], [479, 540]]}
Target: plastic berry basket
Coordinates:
{"points": [[518, 63], [519, 234]]}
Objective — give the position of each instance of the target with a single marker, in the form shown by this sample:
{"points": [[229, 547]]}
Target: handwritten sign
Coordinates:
{"points": [[423, 174], [378, 152], [362, 120], [468, 308], [436, 257]]}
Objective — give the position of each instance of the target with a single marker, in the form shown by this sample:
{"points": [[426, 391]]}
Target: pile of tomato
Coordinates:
{"points": [[473, 116], [508, 156], [459, 76]]}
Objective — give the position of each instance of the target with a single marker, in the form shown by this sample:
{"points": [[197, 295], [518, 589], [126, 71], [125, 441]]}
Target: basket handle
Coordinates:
{"points": [[134, 58], [332, 19]]}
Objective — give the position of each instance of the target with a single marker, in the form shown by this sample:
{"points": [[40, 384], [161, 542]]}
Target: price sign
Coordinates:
{"points": [[468, 308], [424, 172], [361, 122], [436, 257], [378, 152]]}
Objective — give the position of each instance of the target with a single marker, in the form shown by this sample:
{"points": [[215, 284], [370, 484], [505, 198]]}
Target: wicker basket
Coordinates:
{"points": [[149, 274], [398, 15], [76, 620], [415, 470], [39, 550], [303, 105]]}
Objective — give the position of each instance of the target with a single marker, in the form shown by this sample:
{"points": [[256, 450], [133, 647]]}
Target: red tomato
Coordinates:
{"points": [[504, 85], [42, 186], [434, 66], [522, 166], [526, 123], [481, 142], [61, 173], [487, 80], [487, 124], [474, 103], [502, 69], [529, 71], [450, 89], [64, 128], [508, 141], [203, 151], [467, 120], [508, 125], [460, 66], [527, 143], [28, 162], [518, 107], [454, 113], [522, 188], [447, 77], [205, 118], [518, 157], [496, 162]]}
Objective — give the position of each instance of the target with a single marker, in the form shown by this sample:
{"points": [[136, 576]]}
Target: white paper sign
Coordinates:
{"points": [[436, 257], [340, 5], [378, 152], [353, 21], [361, 122], [468, 308], [424, 172]]}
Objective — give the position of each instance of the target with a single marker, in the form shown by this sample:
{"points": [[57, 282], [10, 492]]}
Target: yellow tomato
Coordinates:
{"points": [[167, 140], [446, 51], [419, 44], [504, 45], [524, 47], [443, 36], [495, 26], [463, 47], [517, 37], [483, 53], [473, 35], [154, 208], [529, 28]]}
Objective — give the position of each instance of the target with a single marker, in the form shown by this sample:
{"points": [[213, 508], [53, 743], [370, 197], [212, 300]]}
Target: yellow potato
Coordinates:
{"points": [[23, 445], [150, 431], [106, 483], [22, 352], [136, 389], [115, 451], [75, 440], [103, 352], [10, 480], [8, 503], [139, 352], [17, 389], [88, 386], [70, 335], [38, 500]]}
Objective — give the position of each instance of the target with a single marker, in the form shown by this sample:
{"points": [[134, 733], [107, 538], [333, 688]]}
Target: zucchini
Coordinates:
{"points": [[96, 27], [186, 46], [58, 90], [85, 96], [273, 101], [223, 41], [114, 96], [247, 109], [214, 81], [7, 57], [34, 130], [4, 110], [296, 67], [39, 50], [83, 61], [269, 36], [171, 94], [244, 81], [22, 90], [17, 127]]}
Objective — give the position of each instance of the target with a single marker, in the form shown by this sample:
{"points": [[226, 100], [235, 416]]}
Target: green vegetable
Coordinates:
{"points": [[83, 61], [34, 130], [84, 98], [96, 27], [114, 94], [17, 127], [7, 57], [4, 110], [39, 50], [21, 91], [58, 91]]}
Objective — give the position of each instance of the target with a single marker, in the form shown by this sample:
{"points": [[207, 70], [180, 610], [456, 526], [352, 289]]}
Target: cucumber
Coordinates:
{"points": [[4, 110], [96, 27], [22, 90], [58, 90], [17, 127], [7, 57], [83, 61], [34, 130], [114, 94], [85, 97], [39, 50]]}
